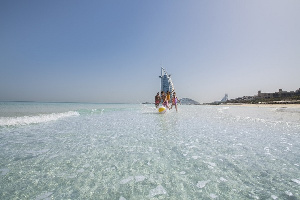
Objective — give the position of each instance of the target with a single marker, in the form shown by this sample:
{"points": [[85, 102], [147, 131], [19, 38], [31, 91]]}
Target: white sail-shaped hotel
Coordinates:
{"points": [[166, 81]]}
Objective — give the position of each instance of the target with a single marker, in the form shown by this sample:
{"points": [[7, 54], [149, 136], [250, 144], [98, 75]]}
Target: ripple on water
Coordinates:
{"points": [[4, 171], [157, 191], [127, 180], [288, 193], [44, 196], [202, 184], [139, 178], [223, 179], [136, 179], [296, 181], [274, 197]]}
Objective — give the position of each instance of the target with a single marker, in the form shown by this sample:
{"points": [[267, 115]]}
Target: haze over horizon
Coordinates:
{"points": [[112, 51]]}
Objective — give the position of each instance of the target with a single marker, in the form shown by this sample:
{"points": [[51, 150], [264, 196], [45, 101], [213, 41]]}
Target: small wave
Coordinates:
{"points": [[26, 120], [90, 111]]}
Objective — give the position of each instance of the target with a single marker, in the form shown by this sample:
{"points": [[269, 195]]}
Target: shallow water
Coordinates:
{"points": [[123, 151]]}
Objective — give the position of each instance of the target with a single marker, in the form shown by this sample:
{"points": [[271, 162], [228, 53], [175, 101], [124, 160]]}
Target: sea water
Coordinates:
{"points": [[127, 151]]}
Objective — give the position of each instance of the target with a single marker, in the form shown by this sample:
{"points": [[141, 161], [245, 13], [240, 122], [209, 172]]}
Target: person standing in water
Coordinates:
{"points": [[165, 102], [168, 97], [157, 100], [175, 100], [162, 96]]}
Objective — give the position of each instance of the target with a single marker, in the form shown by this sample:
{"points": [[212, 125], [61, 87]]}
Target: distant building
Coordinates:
{"points": [[275, 97], [225, 98], [167, 85], [279, 94], [166, 82]]}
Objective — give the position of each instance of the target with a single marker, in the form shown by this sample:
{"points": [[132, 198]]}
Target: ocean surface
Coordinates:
{"points": [[129, 151]]}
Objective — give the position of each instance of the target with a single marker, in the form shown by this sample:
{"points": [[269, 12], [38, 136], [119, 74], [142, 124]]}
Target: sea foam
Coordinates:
{"points": [[26, 120]]}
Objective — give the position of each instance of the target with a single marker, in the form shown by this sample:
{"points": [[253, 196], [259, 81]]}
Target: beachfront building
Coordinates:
{"points": [[166, 82], [275, 97], [279, 94], [225, 98]]}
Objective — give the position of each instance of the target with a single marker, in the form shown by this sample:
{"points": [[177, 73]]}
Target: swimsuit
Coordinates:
{"points": [[174, 100], [166, 104], [157, 100]]}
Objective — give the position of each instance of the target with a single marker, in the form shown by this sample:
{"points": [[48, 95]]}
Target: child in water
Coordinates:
{"points": [[163, 96], [168, 96], [165, 102], [175, 100], [157, 100]]}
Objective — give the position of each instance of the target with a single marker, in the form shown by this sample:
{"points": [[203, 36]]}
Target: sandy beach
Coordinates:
{"points": [[265, 105]]}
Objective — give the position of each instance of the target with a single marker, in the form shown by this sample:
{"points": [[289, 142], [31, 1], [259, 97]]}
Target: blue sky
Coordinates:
{"points": [[112, 51]]}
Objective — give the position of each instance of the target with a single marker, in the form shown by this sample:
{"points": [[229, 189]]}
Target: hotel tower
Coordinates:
{"points": [[166, 82]]}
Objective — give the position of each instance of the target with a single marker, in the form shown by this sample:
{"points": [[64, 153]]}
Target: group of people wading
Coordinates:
{"points": [[165, 100]]}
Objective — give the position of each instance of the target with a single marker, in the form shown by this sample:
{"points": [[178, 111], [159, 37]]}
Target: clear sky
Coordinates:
{"points": [[112, 51]]}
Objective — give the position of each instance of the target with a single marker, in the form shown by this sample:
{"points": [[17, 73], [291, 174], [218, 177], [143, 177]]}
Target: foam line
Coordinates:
{"points": [[26, 120]]}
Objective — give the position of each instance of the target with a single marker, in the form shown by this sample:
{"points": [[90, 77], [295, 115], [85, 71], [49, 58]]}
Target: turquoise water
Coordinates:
{"points": [[127, 151]]}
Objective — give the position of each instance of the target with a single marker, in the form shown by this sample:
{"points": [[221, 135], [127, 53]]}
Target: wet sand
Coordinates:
{"points": [[265, 105]]}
